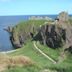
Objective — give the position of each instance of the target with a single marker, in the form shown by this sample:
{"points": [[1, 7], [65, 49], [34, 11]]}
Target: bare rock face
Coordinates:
{"points": [[53, 36], [18, 38], [15, 40], [65, 24], [59, 34], [9, 29]]}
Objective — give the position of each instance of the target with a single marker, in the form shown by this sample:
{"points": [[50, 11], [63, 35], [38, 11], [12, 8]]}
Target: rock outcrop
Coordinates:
{"points": [[58, 34], [67, 25], [9, 29], [55, 34], [20, 37], [52, 35]]}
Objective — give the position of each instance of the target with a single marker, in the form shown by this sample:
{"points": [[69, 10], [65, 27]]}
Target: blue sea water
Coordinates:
{"points": [[5, 21]]}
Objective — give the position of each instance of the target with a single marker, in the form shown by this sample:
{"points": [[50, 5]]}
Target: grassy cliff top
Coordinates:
{"points": [[42, 64]]}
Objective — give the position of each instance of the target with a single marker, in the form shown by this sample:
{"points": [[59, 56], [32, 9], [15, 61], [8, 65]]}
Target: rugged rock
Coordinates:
{"points": [[66, 24], [9, 29], [57, 35], [14, 38], [52, 35], [68, 49], [20, 37]]}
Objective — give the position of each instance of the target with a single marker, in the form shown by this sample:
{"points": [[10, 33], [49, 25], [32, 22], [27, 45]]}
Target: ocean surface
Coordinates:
{"points": [[5, 21]]}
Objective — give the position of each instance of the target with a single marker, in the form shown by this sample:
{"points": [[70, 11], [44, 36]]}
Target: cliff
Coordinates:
{"points": [[24, 31], [55, 34]]}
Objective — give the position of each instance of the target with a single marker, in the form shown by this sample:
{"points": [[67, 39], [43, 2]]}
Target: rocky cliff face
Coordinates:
{"points": [[59, 34], [20, 35], [54, 35], [64, 21]]}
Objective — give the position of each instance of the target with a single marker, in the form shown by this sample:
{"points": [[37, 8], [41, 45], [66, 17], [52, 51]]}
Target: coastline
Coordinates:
{"points": [[4, 52]]}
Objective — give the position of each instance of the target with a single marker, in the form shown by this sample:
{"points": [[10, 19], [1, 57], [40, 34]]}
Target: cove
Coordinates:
{"points": [[5, 21]]}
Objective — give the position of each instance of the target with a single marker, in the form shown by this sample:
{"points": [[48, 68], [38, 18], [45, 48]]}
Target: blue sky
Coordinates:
{"points": [[34, 7]]}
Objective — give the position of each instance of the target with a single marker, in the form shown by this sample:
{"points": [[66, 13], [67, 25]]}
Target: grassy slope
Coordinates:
{"points": [[41, 61], [30, 51], [54, 53]]}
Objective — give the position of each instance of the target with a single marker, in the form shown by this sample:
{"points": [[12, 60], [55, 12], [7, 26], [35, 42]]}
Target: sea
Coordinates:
{"points": [[5, 21]]}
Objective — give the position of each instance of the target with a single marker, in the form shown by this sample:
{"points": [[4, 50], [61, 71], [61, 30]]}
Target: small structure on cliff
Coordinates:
{"points": [[54, 35], [65, 24], [59, 33], [63, 16]]}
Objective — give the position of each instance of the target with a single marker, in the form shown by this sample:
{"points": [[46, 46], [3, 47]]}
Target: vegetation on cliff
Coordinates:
{"points": [[25, 31], [53, 38]]}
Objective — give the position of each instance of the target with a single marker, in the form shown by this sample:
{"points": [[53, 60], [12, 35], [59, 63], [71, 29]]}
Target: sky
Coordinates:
{"points": [[34, 7]]}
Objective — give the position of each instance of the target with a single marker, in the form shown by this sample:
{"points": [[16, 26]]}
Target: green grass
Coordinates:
{"points": [[24, 69], [29, 51], [53, 53], [27, 26], [41, 61]]}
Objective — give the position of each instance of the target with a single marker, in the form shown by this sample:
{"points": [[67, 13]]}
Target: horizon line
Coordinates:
{"points": [[31, 15]]}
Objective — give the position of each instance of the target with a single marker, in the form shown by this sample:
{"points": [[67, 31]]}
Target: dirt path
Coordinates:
{"points": [[52, 60]]}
